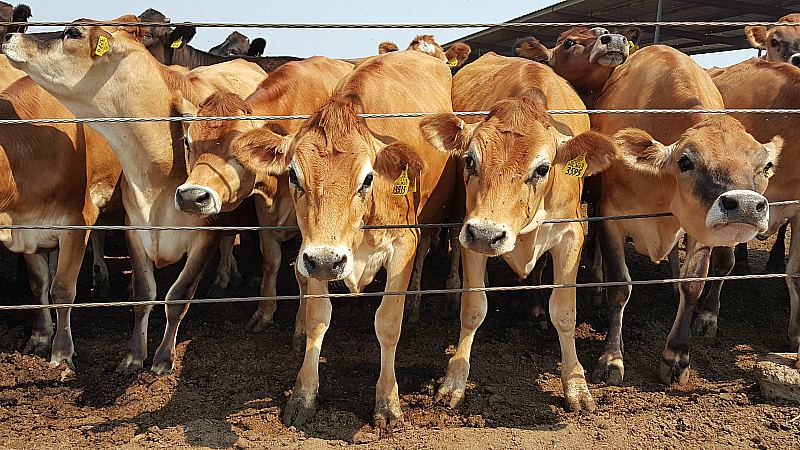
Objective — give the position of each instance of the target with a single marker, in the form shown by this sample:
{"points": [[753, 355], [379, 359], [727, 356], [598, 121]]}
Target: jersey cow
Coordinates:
{"points": [[346, 173], [106, 72], [761, 84], [515, 162], [704, 169], [781, 42], [218, 182]]}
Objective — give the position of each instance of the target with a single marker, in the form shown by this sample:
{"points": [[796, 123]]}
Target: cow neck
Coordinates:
{"points": [[193, 58]]}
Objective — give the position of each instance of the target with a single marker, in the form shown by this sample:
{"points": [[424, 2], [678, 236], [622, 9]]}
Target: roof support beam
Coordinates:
{"points": [[743, 7]]}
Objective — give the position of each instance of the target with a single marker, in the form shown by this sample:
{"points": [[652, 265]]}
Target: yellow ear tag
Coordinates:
{"points": [[631, 45], [770, 173], [576, 167], [177, 43], [453, 62], [102, 46], [402, 182]]}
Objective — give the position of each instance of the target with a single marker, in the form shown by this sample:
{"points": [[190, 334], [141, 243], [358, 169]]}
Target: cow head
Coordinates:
{"points": [[235, 44], [59, 61], [161, 41], [338, 173], [8, 13], [217, 180], [782, 43], [455, 56], [513, 159], [720, 172]]}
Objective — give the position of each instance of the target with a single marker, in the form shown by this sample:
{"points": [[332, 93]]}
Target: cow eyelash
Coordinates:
{"points": [[72, 33], [539, 173], [366, 185], [294, 181], [471, 165], [568, 44]]}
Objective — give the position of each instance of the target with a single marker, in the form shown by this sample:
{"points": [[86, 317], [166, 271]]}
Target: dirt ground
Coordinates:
{"points": [[230, 386]]}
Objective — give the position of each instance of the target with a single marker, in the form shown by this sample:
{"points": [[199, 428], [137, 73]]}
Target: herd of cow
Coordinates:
{"points": [[331, 175]]}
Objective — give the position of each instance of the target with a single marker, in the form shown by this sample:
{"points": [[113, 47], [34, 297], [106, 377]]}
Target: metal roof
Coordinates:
{"points": [[691, 40]]}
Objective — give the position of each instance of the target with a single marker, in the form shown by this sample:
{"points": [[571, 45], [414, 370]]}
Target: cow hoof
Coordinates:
{"points": [[577, 396], [298, 411], [674, 371], [705, 325], [130, 365], [258, 322], [56, 361], [161, 367], [609, 372], [38, 345], [388, 415], [298, 342]]}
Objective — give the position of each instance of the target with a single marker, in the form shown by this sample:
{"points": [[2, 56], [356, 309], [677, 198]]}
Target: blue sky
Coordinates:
{"points": [[327, 42]]}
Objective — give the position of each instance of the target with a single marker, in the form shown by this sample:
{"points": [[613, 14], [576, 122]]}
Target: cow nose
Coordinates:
{"points": [[324, 263], [605, 39], [195, 200], [490, 235], [486, 237], [7, 37], [795, 60], [739, 206], [729, 204]]}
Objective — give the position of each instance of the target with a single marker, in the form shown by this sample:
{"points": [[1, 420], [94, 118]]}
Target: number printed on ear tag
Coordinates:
{"points": [[576, 167], [452, 62], [770, 172], [102, 46], [401, 183]]}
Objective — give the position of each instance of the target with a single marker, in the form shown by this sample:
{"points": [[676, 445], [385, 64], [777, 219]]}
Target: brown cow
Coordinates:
{"points": [[345, 173], [782, 43], [516, 177], [60, 174], [455, 56], [237, 44], [217, 181], [107, 72], [584, 57], [709, 173], [761, 84]]}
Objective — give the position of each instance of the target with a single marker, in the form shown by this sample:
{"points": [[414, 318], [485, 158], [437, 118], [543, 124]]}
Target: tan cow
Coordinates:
{"points": [[515, 178], [60, 174], [455, 56], [782, 43], [346, 173], [761, 84], [584, 57], [705, 169], [107, 72], [218, 182]]}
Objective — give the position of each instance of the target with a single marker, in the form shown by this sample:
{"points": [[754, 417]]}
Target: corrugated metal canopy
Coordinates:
{"points": [[691, 40]]}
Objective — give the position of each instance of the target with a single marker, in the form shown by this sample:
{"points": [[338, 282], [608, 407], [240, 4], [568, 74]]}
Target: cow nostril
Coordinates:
{"points": [[728, 203], [471, 232], [338, 266], [202, 198], [605, 39], [795, 60], [7, 37], [499, 237], [310, 264], [761, 206]]}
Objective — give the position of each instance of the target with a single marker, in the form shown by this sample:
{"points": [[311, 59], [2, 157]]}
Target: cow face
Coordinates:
{"points": [[782, 43], [235, 44], [336, 170], [8, 13], [512, 161], [720, 172], [217, 180], [59, 61], [161, 41]]}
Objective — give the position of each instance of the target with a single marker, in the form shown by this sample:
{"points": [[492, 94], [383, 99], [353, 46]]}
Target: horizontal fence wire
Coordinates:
{"points": [[398, 25], [381, 293], [390, 115], [294, 228]]}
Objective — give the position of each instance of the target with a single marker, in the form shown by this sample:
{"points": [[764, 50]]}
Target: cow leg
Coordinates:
{"points": [[610, 367], [388, 322], [39, 278], [777, 255], [473, 311], [675, 357], [566, 259], [596, 272], [793, 267], [228, 269], [722, 262], [539, 306], [741, 265], [303, 402], [196, 262], [143, 284], [299, 337], [99, 269], [674, 259], [454, 277], [413, 300], [271, 262]]}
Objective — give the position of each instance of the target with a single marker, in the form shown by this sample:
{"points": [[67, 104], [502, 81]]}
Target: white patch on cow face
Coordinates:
{"points": [[427, 48]]}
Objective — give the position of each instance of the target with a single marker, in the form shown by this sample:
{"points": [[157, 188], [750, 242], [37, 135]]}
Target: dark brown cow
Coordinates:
{"points": [[516, 177], [8, 13], [168, 45], [237, 44], [709, 174], [761, 84], [782, 43]]}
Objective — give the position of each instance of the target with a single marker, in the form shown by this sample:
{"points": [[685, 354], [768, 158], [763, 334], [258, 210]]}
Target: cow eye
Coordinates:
{"points": [[471, 166], [768, 169], [293, 179], [774, 43], [684, 163], [186, 142], [366, 185], [569, 43], [543, 170], [233, 52], [72, 33]]}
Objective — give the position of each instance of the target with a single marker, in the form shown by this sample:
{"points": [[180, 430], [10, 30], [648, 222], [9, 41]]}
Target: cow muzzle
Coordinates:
{"points": [[738, 216], [325, 263], [795, 60], [610, 50], [487, 237], [11, 47], [198, 200]]}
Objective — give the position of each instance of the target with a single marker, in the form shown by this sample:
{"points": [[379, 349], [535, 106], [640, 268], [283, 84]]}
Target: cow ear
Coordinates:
{"points": [[632, 34], [181, 36], [100, 41], [638, 150], [458, 54], [386, 47], [774, 148], [597, 150], [257, 47], [757, 36], [262, 151], [134, 30], [532, 49], [447, 133], [21, 14], [392, 158]]}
